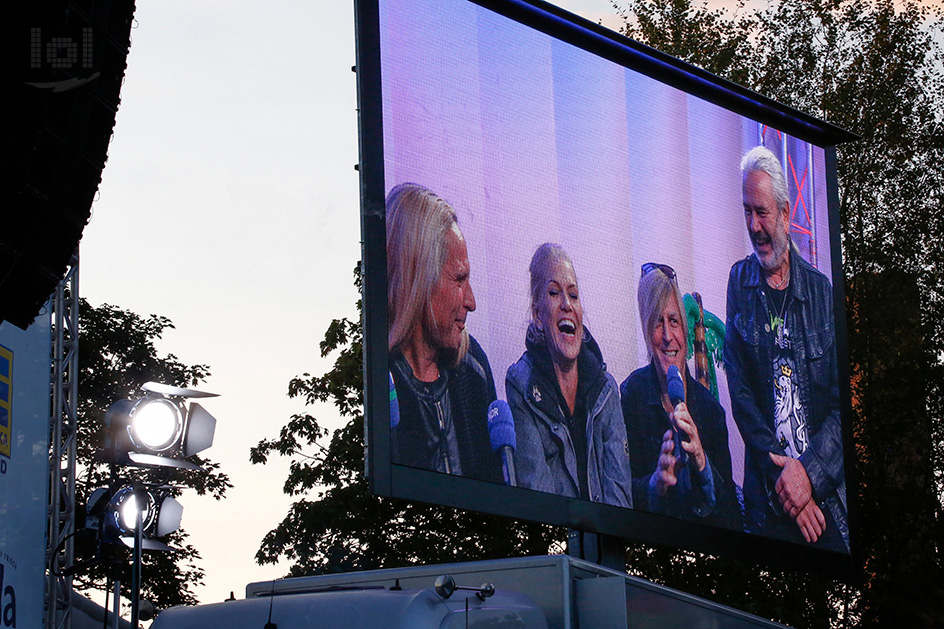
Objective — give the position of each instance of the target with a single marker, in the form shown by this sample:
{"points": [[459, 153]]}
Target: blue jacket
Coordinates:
{"points": [[545, 458], [748, 358]]}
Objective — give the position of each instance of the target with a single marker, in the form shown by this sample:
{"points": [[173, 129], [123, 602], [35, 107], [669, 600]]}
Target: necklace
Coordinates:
{"points": [[783, 279], [783, 307], [777, 323]]}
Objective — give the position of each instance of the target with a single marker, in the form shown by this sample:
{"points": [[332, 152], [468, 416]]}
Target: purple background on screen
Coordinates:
{"points": [[534, 140]]}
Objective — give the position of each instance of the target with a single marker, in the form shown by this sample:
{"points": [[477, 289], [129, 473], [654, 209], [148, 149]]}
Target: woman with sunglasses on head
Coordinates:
{"points": [[571, 440], [679, 449]]}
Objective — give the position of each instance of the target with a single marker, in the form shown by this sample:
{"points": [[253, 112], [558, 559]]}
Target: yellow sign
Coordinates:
{"points": [[6, 400]]}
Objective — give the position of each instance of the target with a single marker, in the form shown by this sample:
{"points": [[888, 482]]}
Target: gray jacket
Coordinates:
{"points": [[545, 457]]}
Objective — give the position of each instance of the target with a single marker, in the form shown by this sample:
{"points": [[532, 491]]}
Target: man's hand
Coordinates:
{"points": [[664, 475], [811, 522], [793, 486], [683, 421]]}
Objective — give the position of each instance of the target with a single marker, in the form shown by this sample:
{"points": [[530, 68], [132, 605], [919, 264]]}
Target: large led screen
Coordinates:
{"points": [[603, 289]]}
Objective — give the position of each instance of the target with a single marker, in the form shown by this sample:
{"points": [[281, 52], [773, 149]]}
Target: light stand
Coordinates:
{"points": [[139, 498], [116, 605], [159, 431]]}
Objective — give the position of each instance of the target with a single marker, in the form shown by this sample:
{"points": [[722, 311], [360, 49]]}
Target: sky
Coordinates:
{"points": [[229, 203]]}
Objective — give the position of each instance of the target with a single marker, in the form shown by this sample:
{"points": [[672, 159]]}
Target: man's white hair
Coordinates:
{"points": [[760, 158]]}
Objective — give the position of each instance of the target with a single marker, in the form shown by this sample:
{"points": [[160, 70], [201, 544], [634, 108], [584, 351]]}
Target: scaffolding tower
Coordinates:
{"points": [[62, 447]]}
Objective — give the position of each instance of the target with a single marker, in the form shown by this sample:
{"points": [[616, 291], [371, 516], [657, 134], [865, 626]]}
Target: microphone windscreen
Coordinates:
{"points": [[394, 404], [674, 386], [501, 426]]}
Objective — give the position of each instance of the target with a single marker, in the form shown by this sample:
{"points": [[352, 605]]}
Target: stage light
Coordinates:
{"points": [[156, 424], [160, 429], [115, 511], [160, 512], [126, 511]]}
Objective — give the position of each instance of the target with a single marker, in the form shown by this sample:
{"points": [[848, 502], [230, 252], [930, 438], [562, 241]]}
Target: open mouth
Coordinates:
{"points": [[566, 326]]}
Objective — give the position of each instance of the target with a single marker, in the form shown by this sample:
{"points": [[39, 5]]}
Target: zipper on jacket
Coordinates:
{"points": [[443, 448]]}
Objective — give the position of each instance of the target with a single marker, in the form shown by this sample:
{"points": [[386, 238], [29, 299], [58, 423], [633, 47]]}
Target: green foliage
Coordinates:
{"points": [[344, 527], [872, 67], [116, 356], [900, 516], [712, 39], [801, 600]]}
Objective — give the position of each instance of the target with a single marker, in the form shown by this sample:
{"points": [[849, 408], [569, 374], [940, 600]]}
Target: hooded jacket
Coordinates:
{"points": [[545, 456]]}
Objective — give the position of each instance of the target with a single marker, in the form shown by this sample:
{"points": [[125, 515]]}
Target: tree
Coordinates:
{"points": [[873, 67], [345, 527], [116, 356]]}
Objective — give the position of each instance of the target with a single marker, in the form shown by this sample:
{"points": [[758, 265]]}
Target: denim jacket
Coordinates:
{"points": [[748, 356]]}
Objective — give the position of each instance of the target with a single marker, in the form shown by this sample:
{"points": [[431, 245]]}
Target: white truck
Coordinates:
{"points": [[553, 592]]}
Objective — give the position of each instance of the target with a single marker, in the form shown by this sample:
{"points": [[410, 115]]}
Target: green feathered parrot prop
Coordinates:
{"points": [[714, 339]]}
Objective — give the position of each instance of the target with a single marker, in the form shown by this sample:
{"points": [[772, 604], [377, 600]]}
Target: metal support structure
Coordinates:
{"points": [[139, 499], [62, 448], [604, 550], [116, 613]]}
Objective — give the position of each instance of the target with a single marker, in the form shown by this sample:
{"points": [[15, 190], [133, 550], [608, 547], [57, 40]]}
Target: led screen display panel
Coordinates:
{"points": [[602, 288]]}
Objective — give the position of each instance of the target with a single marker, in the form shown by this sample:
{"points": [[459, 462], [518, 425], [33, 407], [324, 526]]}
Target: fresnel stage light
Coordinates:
{"points": [[161, 429], [114, 511], [158, 431]]}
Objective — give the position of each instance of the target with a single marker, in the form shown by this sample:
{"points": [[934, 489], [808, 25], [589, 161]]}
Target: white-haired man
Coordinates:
{"points": [[780, 359]]}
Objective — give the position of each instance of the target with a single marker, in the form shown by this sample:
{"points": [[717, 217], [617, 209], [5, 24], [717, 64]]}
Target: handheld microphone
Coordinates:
{"points": [[501, 434], [674, 385], [676, 390]]}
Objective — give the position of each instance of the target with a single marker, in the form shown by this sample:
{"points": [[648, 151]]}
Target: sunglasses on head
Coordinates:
{"points": [[648, 267]]}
